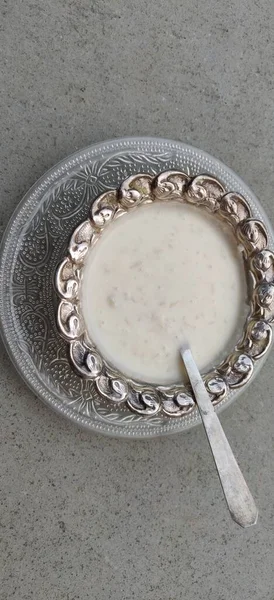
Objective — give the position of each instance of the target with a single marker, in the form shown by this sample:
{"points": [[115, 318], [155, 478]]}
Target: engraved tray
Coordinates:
{"points": [[35, 243]]}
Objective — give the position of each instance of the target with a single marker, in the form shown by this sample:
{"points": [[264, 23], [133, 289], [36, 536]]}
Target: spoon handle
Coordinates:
{"points": [[238, 497]]}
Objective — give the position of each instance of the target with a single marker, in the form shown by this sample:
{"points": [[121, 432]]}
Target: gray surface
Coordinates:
{"points": [[88, 517]]}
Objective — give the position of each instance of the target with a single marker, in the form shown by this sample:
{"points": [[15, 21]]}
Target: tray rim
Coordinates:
{"points": [[37, 389]]}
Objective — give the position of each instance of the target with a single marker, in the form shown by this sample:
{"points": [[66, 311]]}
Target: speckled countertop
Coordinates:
{"points": [[85, 517]]}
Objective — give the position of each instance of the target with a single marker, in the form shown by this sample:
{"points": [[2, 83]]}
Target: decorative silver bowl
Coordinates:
{"points": [[236, 370], [35, 243]]}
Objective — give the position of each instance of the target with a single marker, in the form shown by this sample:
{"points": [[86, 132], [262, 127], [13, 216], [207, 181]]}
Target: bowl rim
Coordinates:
{"points": [[208, 194]]}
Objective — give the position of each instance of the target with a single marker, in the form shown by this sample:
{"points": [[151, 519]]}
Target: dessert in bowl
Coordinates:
{"points": [[159, 259]]}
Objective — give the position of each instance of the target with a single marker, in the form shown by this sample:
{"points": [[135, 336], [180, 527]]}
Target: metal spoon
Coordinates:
{"points": [[238, 497]]}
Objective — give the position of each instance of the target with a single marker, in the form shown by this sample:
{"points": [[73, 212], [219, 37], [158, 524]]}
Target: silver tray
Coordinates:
{"points": [[35, 243]]}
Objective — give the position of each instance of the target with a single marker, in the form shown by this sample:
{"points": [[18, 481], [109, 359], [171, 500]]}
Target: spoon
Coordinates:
{"points": [[238, 497]]}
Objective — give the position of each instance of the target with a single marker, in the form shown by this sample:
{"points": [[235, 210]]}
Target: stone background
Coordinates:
{"points": [[85, 517]]}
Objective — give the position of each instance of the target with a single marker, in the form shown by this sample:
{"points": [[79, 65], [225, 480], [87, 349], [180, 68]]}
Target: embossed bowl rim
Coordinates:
{"points": [[200, 190]]}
